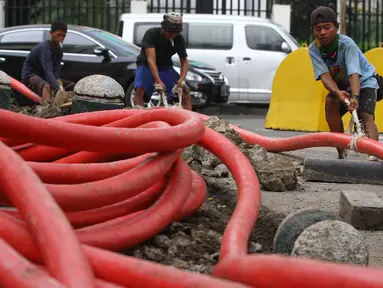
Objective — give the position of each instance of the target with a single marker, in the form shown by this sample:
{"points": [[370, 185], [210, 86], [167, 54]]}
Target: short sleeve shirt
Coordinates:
{"points": [[164, 48], [350, 60]]}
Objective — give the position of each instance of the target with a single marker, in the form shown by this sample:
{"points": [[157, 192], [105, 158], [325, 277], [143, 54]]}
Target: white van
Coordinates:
{"points": [[247, 50]]}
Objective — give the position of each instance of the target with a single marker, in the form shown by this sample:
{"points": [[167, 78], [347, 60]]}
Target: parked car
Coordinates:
{"points": [[90, 51], [248, 50]]}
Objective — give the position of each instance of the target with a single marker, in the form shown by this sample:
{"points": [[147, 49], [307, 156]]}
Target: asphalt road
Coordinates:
{"points": [[252, 119]]}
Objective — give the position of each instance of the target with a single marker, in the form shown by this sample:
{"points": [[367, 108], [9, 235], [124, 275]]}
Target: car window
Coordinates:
{"points": [[288, 35], [79, 44], [21, 40], [141, 27], [115, 43], [210, 36], [263, 38]]}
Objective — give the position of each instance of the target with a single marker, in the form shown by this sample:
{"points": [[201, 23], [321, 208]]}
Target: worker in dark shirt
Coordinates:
{"points": [[155, 65], [41, 69]]}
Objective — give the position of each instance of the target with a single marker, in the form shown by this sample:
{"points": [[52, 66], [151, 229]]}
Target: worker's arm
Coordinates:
{"points": [[182, 54], [354, 71], [329, 83], [149, 43], [46, 63], [323, 74], [151, 56], [184, 70]]}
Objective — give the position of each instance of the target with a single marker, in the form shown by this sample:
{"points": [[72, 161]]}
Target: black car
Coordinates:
{"points": [[90, 51]]}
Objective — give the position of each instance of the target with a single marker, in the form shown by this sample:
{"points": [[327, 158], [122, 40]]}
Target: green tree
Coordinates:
{"points": [[102, 14]]}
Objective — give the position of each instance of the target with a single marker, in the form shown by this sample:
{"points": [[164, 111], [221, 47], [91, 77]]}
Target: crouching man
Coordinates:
{"points": [[41, 69]]}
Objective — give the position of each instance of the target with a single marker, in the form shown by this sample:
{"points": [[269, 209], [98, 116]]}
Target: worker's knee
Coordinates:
{"points": [[332, 104], [332, 108], [47, 87], [366, 117]]}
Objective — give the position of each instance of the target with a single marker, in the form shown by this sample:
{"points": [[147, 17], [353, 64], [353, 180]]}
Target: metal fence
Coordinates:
{"points": [[96, 13], [104, 13], [364, 20]]}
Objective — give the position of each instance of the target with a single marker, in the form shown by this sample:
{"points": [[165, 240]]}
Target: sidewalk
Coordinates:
{"points": [[324, 196]]}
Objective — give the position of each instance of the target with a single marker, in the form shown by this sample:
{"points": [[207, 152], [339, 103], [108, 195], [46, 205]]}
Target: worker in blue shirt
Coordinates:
{"points": [[345, 72]]}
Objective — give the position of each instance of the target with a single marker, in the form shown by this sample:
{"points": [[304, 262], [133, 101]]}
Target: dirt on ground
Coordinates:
{"points": [[194, 243], [40, 111]]}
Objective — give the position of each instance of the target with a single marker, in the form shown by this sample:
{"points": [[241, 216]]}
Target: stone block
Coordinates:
{"points": [[21, 100], [294, 224], [99, 86], [361, 209], [82, 106], [334, 241], [4, 79], [5, 97]]}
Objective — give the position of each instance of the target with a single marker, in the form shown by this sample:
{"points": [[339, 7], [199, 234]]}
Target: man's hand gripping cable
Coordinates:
{"points": [[359, 133]]}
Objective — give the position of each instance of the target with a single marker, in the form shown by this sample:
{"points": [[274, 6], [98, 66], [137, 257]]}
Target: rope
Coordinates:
{"points": [[354, 128], [176, 91]]}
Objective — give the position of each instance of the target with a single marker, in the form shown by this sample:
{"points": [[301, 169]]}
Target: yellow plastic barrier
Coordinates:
{"points": [[297, 101], [375, 57]]}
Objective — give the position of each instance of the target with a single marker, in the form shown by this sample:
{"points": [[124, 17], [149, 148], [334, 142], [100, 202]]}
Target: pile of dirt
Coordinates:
{"points": [[275, 172], [194, 243], [41, 111]]}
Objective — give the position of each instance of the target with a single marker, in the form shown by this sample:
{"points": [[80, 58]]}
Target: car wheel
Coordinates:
{"points": [[155, 100]]}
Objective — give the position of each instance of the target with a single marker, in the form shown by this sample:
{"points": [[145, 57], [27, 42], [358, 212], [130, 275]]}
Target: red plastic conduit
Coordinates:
{"points": [[238, 230], [274, 271], [59, 246], [22, 89], [98, 118], [183, 193], [46, 153], [186, 129], [90, 217], [16, 271], [56, 173], [112, 267]]}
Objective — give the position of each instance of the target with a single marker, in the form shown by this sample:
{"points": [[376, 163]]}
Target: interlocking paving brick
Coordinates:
{"points": [[361, 209]]}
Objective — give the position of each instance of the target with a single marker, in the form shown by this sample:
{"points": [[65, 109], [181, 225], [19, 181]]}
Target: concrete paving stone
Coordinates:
{"points": [[361, 209]]}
